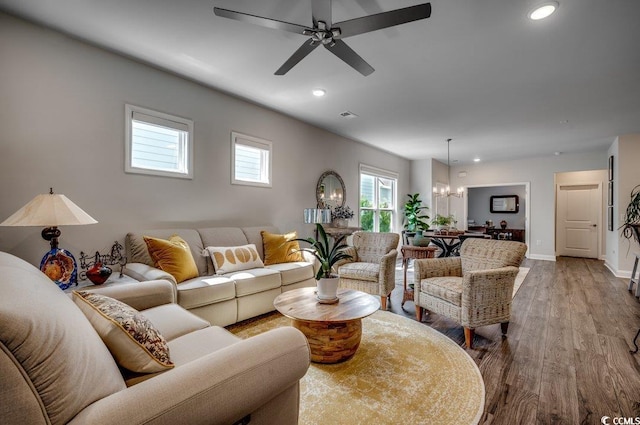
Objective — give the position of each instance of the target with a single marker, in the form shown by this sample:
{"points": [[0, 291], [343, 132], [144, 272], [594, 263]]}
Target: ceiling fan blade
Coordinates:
{"points": [[297, 56], [259, 20], [383, 20], [344, 52], [321, 11]]}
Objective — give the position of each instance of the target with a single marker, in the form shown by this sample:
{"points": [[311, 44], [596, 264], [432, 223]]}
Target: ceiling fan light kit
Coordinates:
{"points": [[324, 33]]}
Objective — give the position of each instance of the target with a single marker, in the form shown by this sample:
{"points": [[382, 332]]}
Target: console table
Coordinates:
{"points": [[336, 232]]}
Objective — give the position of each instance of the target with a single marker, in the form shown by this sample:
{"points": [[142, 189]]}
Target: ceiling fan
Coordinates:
{"points": [[330, 35]]}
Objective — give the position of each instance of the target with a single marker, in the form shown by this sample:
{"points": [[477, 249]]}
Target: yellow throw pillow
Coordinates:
{"points": [[172, 256], [132, 339], [227, 259], [280, 248]]}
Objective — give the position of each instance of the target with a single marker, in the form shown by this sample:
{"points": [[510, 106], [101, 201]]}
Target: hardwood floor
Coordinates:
{"points": [[566, 358]]}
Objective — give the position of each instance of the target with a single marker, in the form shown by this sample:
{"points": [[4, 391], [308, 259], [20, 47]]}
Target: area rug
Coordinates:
{"points": [[403, 372]]}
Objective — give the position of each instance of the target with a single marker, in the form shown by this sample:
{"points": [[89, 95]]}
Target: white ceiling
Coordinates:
{"points": [[479, 72]]}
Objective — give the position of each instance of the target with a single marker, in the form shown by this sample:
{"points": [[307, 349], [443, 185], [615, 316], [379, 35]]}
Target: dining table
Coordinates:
{"points": [[449, 243]]}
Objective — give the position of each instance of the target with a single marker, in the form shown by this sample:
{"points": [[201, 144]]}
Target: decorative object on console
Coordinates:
{"points": [[53, 210], [445, 193], [341, 215], [328, 256], [97, 271], [503, 224], [317, 215]]}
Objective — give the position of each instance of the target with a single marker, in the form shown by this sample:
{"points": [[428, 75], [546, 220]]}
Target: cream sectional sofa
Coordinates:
{"points": [[56, 369], [227, 298]]}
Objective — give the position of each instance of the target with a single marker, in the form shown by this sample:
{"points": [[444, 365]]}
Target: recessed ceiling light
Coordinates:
{"points": [[319, 92], [476, 159], [543, 10]]}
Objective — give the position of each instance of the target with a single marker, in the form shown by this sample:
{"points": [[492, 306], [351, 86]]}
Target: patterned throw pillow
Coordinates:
{"points": [[227, 259], [172, 256], [133, 341], [280, 248]]}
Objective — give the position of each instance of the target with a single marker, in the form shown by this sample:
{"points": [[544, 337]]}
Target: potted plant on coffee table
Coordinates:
{"points": [[327, 255]]}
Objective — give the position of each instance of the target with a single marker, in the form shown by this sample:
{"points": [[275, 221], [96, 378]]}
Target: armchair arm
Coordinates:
{"points": [[219, 388], [142, 272], [478, 286], [351, 250], [436, 267], [141, 295], [388, 271]]}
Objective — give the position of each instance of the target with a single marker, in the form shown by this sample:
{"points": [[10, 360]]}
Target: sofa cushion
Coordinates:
{"points": [[447, 288], [204, 291], [132, 339], [360, 271], [293, 272], [234, 258], [137, 251], [61, 356], [255, 280], [173, 321], [172, 256], [280, 248]]}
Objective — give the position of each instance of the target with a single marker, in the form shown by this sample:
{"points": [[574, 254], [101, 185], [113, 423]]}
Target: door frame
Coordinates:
{"points": [[527, 205], [600, 222]]}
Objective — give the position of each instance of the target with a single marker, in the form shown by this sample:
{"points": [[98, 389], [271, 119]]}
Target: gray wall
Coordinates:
{"points": [[540, 173], [478, 205], [62, 119]]}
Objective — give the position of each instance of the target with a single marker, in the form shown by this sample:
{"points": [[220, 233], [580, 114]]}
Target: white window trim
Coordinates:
{"points": [[180, 122], [256, 143], [380, 172]]}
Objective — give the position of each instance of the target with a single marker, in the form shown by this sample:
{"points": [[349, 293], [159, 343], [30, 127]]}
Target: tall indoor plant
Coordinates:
{"points": [[414, 219], [327, 255], [631, 225]]}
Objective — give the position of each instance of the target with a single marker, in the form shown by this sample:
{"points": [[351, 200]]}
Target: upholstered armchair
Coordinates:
{"points": [[372, 265], [474, 289]]}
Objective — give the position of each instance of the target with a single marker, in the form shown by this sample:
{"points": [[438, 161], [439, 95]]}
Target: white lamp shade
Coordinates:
{"points": [[49, 210]]}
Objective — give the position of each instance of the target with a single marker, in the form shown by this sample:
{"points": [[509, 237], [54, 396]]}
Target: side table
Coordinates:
{"points": [[413, 252], [114, 279]]}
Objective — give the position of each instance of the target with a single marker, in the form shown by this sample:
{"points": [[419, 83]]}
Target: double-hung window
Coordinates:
{"points": [[158, 143], [377, 199], [250, 160]]}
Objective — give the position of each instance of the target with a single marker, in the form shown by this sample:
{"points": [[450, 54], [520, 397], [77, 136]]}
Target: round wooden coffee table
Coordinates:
{"points": [[333, 330]]}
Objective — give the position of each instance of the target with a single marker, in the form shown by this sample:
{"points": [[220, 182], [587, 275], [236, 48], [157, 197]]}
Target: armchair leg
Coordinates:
{"points": [[383, 302], [418, 313], [504, 326], [468, 337]]}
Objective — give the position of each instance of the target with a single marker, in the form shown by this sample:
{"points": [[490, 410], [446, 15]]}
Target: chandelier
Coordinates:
{"points": [[446, 192]]}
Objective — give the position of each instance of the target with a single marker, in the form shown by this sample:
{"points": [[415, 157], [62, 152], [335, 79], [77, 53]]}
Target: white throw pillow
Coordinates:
{"points": [[132, 339], [227, 259]]}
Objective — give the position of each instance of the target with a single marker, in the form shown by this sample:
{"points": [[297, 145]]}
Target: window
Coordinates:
{"points": [[158, 143], [250, 160], [377, 199]]}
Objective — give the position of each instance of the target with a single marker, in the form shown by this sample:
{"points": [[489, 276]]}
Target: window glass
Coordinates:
{"points": [[251, 160], [377, 199]]}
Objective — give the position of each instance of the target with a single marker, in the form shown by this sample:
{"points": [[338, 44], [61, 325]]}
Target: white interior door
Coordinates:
{"points": [[578, 220]]}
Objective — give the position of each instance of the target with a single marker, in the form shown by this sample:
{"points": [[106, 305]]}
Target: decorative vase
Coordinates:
{"points": [[328, 288], [420, 240], [503, 224], [99, 273], [341, 222]]}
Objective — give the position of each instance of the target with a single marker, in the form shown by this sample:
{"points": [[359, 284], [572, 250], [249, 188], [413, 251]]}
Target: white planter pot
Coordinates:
{"points": [[328, 288]]}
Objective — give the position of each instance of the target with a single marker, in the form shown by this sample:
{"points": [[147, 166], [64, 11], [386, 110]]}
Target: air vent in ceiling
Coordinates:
{"points": [[348, 115]]}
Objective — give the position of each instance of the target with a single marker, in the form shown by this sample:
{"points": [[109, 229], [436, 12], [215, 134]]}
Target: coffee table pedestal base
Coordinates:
{"points": [[331, 342]]}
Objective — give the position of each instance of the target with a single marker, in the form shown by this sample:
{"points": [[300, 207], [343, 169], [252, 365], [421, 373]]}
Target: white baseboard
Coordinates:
{"points": [[542, 257], [624, 274]]}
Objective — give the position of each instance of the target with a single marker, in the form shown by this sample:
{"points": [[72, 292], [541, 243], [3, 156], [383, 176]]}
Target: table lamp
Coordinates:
{"points": [[53, 210]]}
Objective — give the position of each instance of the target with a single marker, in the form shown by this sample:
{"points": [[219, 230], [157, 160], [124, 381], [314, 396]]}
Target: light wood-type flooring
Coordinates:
{"points": [[566, 358]]}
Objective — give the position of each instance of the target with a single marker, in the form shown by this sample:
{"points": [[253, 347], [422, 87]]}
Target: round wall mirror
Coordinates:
{"points": [[330, 190]]}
